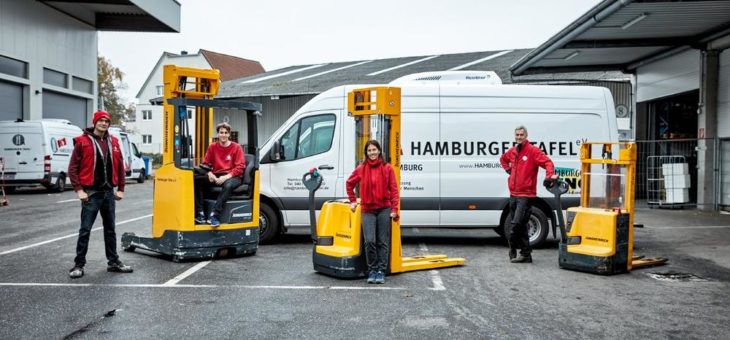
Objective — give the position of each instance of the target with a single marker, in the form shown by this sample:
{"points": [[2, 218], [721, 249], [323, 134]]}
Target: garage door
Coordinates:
{"points": [[11, 97], [62, 106]]}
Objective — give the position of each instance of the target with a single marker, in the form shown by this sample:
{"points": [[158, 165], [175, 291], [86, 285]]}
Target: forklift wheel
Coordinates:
{"points": [[129, 249]]}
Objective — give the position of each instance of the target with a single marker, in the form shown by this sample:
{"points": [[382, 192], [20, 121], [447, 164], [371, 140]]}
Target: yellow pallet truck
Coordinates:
{"points": [[599, 235], [174, 231], [337, 235]]}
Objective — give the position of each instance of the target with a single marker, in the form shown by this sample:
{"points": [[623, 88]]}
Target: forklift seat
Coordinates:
{"points": [[243, 191]]}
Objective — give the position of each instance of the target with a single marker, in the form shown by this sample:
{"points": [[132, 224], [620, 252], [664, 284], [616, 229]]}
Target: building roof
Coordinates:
{"points": [[123, 15], [232, 67], [229, 66], [317, 78], [624, 34]]}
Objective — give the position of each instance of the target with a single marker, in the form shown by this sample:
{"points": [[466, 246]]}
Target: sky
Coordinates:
{"points": [[282, 33]]}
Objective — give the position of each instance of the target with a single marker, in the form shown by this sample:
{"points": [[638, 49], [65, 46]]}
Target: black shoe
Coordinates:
{"points": [[512, 254], [522, 259], [76, 272], [119, 267], [200, 218]]}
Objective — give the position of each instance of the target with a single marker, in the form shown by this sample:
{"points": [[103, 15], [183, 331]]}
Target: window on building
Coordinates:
{"points": [[146, 139], [146, 114], [13, 67], [82, 85], [160, 89], [52, 77]]}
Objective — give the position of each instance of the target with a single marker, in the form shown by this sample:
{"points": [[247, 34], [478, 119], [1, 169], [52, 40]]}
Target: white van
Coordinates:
{"points": [[455, 126], [134, 167], [37, 152]]}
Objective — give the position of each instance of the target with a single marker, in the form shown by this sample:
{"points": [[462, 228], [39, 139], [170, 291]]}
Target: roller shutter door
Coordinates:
{"points": [[11, 97], [63, 106]]}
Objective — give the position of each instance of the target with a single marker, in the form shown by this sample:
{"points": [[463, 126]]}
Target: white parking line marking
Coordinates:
{"points": [[438, 284], [142, 285], [67, 236], [71, 200], [691, 227], [187, 273]]}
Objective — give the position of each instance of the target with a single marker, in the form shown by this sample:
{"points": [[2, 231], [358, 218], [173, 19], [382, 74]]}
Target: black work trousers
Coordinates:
{"points": [[519, 208], [202, 184], [376, 234], [99, 202]]}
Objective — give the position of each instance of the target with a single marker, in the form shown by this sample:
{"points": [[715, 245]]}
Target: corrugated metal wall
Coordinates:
{"points": [[275, 113]]}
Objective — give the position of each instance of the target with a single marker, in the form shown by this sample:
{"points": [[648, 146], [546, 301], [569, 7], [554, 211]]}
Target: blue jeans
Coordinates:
{"points": [[98, 201], [376, 233]]}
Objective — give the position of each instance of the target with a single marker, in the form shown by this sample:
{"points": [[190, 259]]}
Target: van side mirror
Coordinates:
{"points": [[277, 152]]}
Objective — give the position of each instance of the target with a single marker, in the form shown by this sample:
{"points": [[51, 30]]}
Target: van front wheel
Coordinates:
{"points": [[537, 227], [268, 224]]}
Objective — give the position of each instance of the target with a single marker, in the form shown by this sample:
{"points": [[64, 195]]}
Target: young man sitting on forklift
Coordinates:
{"points": [[226, 162]]}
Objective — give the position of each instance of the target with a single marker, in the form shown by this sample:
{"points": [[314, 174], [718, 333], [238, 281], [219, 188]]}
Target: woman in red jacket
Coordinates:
{"points": [[378, 205]]}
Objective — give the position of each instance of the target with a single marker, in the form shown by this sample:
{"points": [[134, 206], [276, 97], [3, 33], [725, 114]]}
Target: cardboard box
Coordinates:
{"points": [[671, 169], [677, 182], [677, 196]]}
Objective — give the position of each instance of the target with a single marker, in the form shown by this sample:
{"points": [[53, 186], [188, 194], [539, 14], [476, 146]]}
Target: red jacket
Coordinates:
{"points": [[225, 159], [82, 166], [385, 189], [522, 167]]}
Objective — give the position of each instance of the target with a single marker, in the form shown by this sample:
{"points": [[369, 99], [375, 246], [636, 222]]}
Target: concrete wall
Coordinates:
{"points": [[45, 38]]}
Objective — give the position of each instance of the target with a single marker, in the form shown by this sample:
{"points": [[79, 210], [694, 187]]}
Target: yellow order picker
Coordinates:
{"points": [[338, 243], [599, 236], [174, 231]]}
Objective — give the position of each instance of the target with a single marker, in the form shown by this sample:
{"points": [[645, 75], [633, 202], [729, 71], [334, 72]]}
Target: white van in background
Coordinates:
{"points": [[36, 152], [134, 166], [455, 126]]}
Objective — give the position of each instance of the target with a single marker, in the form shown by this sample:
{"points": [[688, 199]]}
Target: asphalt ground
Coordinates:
{"points": [[276, 294]]}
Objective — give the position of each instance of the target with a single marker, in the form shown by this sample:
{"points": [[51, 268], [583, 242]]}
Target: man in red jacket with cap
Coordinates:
{"points": [[95, 168], [521, 162]]}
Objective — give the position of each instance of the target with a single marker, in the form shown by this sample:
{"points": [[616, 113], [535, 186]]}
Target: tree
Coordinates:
{"points": [[111, 79]]}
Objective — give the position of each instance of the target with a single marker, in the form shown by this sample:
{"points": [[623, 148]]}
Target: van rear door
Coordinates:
{"points": [[126, 153], [29, 151], [9, 149]]}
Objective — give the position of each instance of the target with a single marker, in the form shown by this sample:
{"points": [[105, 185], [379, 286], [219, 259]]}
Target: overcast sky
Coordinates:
{"points": [[280, 33]]}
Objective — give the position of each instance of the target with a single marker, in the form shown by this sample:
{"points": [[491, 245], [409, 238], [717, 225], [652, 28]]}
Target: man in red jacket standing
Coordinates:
{"points": [[521, 162], [95, 168], [227, 163]]}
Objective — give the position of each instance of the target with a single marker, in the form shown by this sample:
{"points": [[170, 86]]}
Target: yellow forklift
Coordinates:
{"points": [[337, 235], [174, 231], [599, 236]]}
